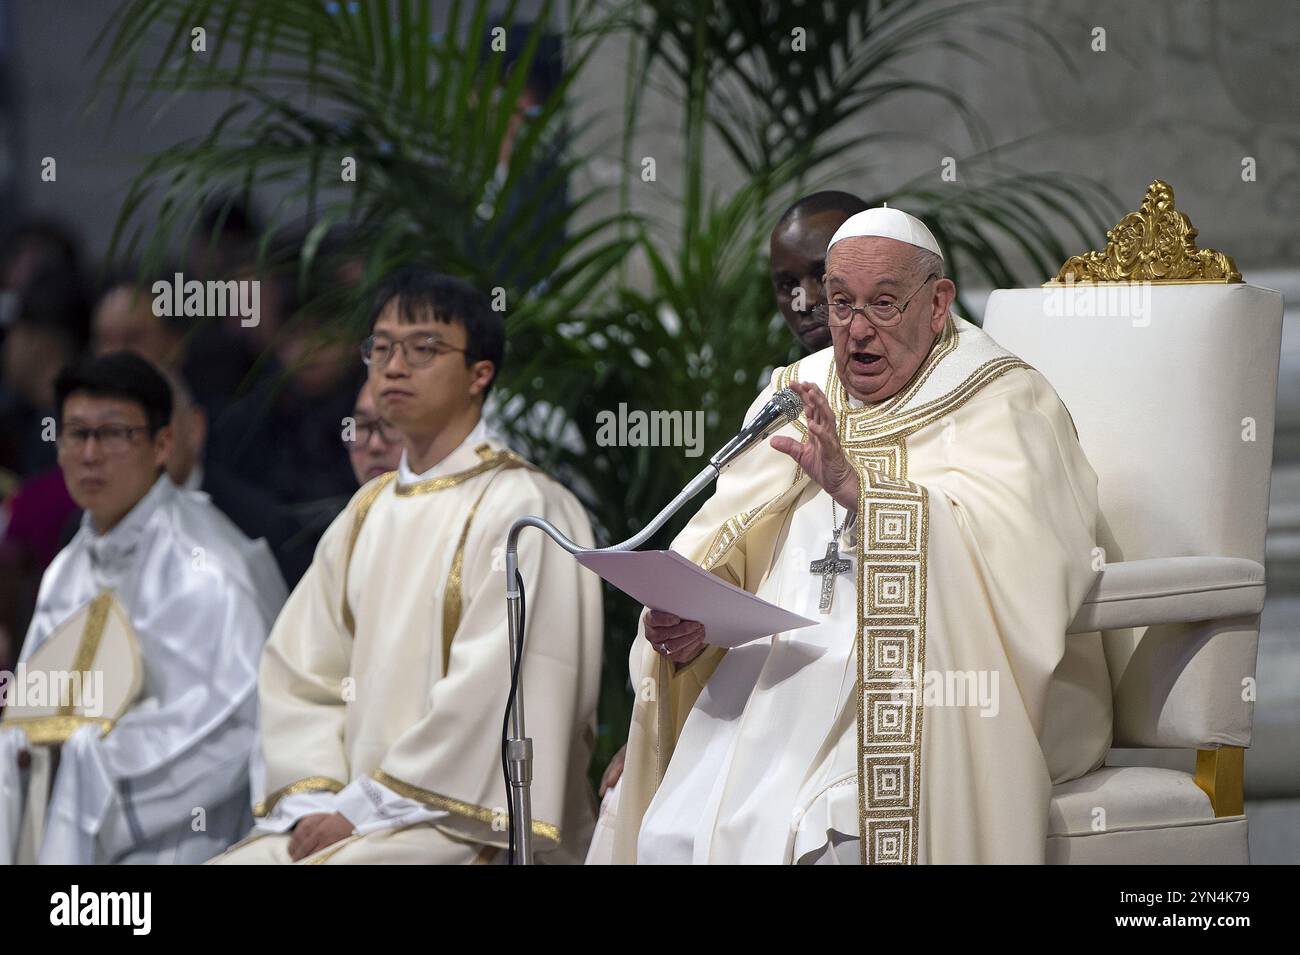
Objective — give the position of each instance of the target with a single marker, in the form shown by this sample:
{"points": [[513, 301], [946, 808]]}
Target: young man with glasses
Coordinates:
{"points": [[384, 683], [168, 781]]}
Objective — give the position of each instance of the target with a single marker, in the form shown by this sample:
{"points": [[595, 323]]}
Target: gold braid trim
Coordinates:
{"points": [[312, 784], [368, 497], [451, 597], [89, 645], [55, 730], [437, 801]]}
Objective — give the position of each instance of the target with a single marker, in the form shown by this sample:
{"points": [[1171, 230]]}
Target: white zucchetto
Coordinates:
{"points": [[890, 224]]}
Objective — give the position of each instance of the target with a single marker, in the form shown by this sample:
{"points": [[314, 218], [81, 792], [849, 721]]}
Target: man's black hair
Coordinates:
{"points": [[123, 375], [830, 200], [422, 294]]}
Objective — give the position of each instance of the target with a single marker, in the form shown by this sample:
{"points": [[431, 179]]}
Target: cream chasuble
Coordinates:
{"points": [[926, 716], [167, 782], [384, 682]]}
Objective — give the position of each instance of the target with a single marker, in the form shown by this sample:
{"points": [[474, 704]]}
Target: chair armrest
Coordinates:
{"points": [[1144, 593]]}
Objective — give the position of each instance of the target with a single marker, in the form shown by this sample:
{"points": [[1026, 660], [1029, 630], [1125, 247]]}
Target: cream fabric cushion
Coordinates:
{"points": [[1150, 815]]}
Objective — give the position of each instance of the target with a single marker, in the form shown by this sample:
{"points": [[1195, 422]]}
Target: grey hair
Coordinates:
{"points": [[927, 262]]}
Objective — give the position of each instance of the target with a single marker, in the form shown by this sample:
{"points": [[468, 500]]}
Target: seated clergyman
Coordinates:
{"points": [[385, 680], [168, 780], [933, 510]]}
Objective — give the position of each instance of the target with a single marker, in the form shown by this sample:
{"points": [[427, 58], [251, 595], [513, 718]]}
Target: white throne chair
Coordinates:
{"points": [[1168, 365]]}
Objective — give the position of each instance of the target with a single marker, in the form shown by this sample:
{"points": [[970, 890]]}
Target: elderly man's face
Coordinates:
{"points": [[875, 363]]}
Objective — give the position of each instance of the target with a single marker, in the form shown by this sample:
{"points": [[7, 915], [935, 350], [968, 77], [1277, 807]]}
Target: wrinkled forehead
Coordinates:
{"points": [[869, 261]]}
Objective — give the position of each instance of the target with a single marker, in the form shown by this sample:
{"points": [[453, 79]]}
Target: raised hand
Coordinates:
{"points": [[821, 457]]}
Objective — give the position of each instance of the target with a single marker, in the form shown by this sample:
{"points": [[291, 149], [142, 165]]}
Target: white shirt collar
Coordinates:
{"points": [[406, 476]]}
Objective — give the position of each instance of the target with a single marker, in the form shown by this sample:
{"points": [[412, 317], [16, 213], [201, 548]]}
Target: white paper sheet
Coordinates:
{"points": [[665, 580]]}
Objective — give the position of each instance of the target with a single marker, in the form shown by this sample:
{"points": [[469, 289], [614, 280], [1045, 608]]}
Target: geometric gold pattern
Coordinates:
{"points": [[891, 567]]}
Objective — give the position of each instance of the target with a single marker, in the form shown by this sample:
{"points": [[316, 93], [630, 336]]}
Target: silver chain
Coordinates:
{"points": [[848, 519]]}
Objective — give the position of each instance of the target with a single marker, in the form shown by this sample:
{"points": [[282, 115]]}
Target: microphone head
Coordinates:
{"points": [[789, 403]]}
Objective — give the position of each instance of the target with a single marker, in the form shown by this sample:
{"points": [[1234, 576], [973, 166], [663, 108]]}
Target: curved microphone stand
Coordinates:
{"points": [[784, 406]]}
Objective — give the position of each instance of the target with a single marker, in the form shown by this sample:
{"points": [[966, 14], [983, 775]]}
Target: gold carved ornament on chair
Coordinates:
{"points": [[1157, 243]]}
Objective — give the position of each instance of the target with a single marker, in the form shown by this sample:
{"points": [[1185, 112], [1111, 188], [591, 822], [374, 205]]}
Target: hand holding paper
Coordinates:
{"points": [[681, 641], [666, 581]]}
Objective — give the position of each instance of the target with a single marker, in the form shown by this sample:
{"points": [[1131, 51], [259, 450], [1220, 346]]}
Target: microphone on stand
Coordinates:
{"points": [[783, 407], [517, 749]]}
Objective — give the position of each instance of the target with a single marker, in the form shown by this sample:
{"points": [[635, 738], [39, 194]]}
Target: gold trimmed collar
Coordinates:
{"points": [[488, 459], [945, 343]]}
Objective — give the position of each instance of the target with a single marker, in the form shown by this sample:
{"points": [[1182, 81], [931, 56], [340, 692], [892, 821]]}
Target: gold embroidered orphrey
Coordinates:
{"points": [[490, 460], [1156, 244], [890, 557]]}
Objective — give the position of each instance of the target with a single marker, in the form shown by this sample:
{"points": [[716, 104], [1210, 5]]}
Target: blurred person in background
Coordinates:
{"points": [[284, 435], [48, 331], [374, 446]]}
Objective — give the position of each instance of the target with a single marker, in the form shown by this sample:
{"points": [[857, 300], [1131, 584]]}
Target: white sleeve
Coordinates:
{"points": [[291, 808], [13, 792], [370, 806]]}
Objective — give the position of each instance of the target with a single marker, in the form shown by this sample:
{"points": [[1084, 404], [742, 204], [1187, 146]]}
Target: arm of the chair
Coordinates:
{"points": [[1143, 593]]}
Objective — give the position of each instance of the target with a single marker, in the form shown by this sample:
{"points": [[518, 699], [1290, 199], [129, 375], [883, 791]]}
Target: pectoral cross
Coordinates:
{"points": [[830, 567]]}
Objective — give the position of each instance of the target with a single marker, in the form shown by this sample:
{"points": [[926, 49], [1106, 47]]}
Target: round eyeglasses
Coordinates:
{"points": [[881, 314]]}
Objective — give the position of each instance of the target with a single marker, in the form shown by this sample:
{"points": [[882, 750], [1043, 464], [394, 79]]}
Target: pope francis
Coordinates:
{"points": [[933, 511]]}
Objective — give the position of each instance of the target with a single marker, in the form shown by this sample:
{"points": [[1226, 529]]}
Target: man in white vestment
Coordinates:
{"points": [[384, 684], [168, 781], [933, 511]]}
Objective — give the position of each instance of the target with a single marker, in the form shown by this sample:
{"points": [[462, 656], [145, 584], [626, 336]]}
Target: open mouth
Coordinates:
{"points": [[864, 362]]}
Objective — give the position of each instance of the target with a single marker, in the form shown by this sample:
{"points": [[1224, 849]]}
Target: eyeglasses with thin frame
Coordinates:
{"points": [[881, 314], [366, 429], [417, 350], [111, 438]]}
